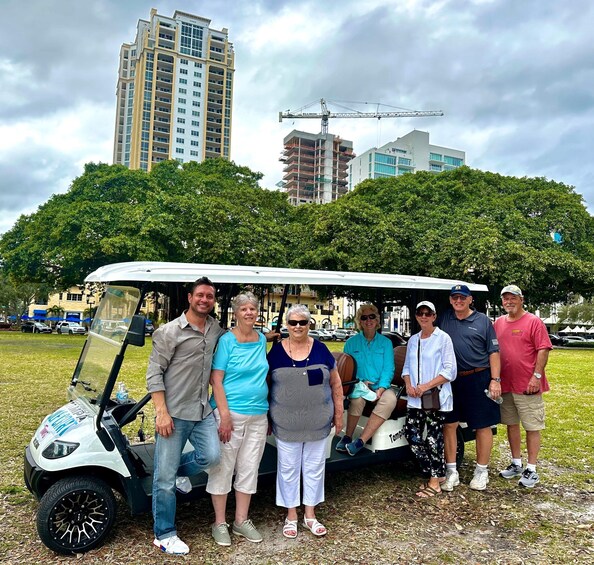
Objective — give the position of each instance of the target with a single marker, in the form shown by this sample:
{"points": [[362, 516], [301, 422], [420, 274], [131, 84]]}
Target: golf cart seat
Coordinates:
{"points": [[347, 369], [397, 382]]}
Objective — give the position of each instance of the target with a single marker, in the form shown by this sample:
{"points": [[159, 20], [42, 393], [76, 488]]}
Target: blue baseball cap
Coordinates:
{"points": [[460, 289]]}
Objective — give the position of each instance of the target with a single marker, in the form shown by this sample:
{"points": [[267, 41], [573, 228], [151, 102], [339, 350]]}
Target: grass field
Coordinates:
{"points": [[35, 373]]}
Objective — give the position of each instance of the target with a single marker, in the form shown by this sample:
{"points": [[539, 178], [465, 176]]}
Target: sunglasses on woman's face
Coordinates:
{"points": [[297, 322], [424, 313], [366, 317]]}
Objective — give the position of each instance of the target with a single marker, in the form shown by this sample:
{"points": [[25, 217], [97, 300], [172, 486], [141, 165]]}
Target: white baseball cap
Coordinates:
{"points": [[429, 305]]}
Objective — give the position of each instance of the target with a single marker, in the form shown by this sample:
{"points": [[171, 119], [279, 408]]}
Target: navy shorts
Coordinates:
{"points": [[471, 404]]}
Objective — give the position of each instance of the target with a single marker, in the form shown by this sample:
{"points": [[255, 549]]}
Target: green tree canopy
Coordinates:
{"points": [[199, 212], [464, 224]]}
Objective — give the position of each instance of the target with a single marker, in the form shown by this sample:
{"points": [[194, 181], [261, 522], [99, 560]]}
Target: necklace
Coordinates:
{"points": [[293, 360]]}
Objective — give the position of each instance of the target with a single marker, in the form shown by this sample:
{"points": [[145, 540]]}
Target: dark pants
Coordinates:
{"points": [[430, 450]]}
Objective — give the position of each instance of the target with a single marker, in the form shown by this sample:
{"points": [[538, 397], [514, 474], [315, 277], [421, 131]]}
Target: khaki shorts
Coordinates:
{"points": [[384, 407], [525, 408]]}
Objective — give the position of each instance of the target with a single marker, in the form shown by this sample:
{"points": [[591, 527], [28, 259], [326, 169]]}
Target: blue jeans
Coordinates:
{"points": [[169, 463]]}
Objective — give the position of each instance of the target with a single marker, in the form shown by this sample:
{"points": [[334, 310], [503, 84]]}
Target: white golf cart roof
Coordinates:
{"points": [[154, 271]]}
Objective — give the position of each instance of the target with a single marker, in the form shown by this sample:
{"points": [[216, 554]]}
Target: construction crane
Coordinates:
{"points": [[325, 114]]}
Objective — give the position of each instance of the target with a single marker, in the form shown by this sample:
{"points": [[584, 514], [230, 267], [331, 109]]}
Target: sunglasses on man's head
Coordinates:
{"points": [[297, 322], [366, 317]]}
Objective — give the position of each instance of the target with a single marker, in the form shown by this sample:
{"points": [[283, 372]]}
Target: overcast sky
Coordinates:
{"points": [[515, 79]]}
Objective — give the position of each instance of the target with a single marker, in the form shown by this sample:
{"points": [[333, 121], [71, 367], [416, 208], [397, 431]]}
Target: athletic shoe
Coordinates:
{"points": [[183, 485], [529, 479], [220, 533], [355, 446], [511, 471], [248, 531], [452, 480], [172, 545], [341, 445], [480, 479]]}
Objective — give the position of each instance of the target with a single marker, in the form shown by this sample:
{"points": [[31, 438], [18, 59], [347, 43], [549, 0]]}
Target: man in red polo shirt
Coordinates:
{"points": [[524, 346]]}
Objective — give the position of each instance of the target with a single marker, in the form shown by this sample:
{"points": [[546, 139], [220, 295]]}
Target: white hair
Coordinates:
{"points": [[244, 298], [299, 310]]}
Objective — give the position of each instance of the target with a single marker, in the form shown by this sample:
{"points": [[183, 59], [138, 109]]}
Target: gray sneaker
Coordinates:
{"points": [[452, 480], [511, 471], [529, 479], [220, 533], [248, 531]]}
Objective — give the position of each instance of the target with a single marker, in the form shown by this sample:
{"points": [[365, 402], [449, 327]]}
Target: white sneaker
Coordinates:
{"points": [[480, 480], [172, 545], [452, 480], [183, 484]]}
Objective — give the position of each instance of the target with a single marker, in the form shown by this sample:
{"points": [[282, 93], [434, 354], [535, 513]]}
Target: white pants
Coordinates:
{"points": [[294, 458], [240, 455]]}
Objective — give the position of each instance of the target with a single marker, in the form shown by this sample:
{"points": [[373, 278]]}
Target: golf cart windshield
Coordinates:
{"points": [[104, 342]]}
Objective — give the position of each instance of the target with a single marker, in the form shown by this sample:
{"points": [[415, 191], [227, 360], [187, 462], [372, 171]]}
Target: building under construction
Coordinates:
{"points": [[315, 167]]}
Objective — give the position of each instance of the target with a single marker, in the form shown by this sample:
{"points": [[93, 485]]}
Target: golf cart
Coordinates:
{"points": [[80, 454]]}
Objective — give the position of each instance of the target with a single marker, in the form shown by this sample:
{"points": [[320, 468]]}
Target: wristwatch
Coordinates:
{"points": [[496, 379], [538, 375]]}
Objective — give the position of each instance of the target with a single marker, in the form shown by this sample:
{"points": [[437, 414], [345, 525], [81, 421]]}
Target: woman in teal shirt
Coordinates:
{"points": [[374, 356], [240, 399]]}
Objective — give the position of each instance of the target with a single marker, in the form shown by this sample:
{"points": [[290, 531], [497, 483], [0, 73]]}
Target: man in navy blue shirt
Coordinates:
{"points": [[477, 357]]}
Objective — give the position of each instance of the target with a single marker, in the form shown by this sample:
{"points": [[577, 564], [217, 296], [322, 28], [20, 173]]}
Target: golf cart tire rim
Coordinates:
{"points": [[79, 518]]}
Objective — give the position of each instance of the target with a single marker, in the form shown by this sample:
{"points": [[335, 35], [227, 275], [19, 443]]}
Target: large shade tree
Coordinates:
{"points": [[463, 224], [211, 212]]}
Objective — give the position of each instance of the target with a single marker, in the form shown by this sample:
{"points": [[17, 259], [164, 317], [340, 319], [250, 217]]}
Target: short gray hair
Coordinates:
{"points": [[244, 298], [299, 310]]}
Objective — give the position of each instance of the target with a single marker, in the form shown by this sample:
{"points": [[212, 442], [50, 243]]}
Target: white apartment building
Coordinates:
{"points": [[407, 154], [174, 92]]}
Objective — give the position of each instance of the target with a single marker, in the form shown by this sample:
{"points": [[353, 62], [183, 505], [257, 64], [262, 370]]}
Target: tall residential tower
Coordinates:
{"points": [[174, 92]]}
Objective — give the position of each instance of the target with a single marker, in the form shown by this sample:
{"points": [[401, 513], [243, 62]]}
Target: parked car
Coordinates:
{"points": [[557, 339], [149, 328], [396, 338], [71, 328], [35, 328], [570, 338], [341, 334], [329, 336], [320, 335]]}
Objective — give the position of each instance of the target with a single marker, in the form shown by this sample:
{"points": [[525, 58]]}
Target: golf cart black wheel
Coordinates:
{"points": [[76, 514], [459, 447]]}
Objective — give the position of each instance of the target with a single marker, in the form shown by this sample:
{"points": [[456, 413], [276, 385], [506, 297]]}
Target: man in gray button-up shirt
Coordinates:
{"points": [[177, 377]]}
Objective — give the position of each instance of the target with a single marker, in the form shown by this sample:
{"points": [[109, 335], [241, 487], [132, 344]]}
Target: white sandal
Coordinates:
{"points": [[314, 526], [290, 526]]}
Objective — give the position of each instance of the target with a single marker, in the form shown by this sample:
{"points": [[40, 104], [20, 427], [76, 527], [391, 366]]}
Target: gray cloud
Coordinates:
{"points": [[514, 79]]}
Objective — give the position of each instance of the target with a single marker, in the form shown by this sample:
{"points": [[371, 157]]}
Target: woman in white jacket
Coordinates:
{"points": [[430, 362]]}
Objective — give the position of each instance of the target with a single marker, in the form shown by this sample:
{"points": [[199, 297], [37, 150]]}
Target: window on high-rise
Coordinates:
{"points": [[435, 157], [191, 39], [183, 71], [455, 161]]}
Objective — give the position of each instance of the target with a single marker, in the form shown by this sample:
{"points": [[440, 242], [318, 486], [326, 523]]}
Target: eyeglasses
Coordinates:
{"points": [[298, 322], [424, 313], [366, 317], [457, 297]]}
